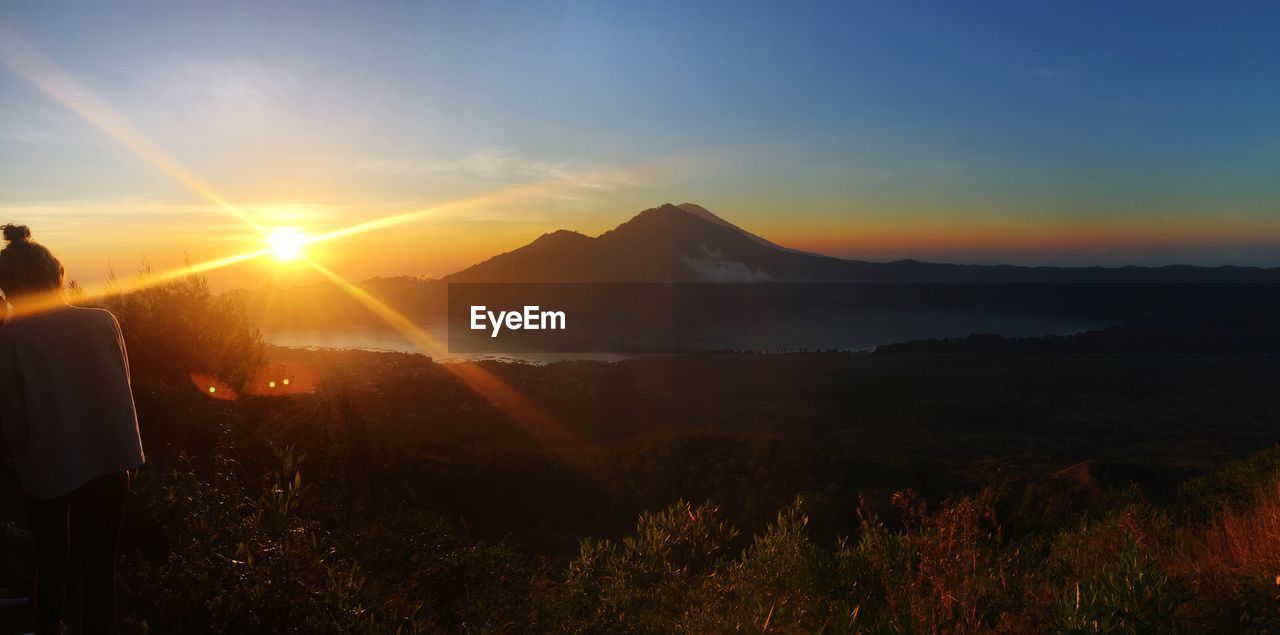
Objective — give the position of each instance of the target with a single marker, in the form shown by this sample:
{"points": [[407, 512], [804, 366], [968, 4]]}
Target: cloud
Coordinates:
{"points": [[237, 80], [211, 95], [499, 166]]}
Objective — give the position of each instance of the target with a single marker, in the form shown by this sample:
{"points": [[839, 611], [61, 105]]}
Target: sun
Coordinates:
{"points": [[286, 243]]}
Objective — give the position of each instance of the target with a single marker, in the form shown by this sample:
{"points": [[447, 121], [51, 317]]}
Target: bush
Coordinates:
{"points": [[783, 582], [1231, 487], [947, 570], [645, 582], [179, 327], [1130, 594]]}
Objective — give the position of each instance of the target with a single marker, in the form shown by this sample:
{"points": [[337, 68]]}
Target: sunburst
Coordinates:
{"points": [[286, 243]]}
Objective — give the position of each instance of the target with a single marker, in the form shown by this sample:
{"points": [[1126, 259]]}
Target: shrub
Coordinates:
{"points": [[1130, 594], [1233, 486], [947, 570], [645, 582], [783, 582], [179, 327]]}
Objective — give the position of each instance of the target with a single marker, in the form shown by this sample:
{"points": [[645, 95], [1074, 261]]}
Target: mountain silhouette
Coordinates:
{"points": [[688, 243], [662, 244]]}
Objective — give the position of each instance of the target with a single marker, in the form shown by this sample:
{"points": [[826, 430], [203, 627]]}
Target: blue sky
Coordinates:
{"points": [[1039, 133]]}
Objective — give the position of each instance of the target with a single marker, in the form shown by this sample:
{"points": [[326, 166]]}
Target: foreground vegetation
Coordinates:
{"points": [[286, 515], [242, 552]]}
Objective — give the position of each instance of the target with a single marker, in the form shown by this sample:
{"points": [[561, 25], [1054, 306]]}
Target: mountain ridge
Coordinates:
{"points": [[688, 243]]}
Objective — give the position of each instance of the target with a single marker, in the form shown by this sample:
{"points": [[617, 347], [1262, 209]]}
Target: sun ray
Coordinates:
{"points": [[520, 409], [293, 245], [50, 79], [539, 188], [46, 301], [62, 88]]}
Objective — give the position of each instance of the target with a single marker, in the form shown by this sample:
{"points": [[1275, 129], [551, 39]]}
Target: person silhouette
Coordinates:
{"points": [[67, 415]]}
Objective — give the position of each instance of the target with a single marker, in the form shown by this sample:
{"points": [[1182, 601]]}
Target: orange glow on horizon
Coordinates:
{"points": [[917, 238]]}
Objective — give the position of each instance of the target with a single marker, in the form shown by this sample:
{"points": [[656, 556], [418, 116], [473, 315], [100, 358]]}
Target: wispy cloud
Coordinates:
{"points": [[502, 167], [210, 95], [225, 79]]}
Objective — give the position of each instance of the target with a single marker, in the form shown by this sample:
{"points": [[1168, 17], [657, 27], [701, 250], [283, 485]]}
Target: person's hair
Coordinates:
{"points": [[26, 266]]}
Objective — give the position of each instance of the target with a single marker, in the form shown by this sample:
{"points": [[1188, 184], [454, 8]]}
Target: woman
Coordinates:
{"points": [[66, 410]]}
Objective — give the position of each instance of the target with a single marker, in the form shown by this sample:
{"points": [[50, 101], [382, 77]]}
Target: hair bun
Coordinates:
{"points": [[16, 233]]}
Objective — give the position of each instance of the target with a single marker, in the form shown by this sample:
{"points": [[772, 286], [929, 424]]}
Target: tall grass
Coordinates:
{"points": [[1232, 563]]}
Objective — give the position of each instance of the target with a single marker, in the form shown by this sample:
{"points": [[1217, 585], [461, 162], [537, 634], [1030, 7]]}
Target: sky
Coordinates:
{"points": [[1057, 133]]}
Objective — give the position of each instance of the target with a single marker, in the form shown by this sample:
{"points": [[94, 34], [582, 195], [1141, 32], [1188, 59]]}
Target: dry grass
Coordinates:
{"points": [[947, 571], [1232, 563]]}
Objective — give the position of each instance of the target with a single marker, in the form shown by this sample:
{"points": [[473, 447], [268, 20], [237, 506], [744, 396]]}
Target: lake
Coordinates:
{"points": [[849, 332]]}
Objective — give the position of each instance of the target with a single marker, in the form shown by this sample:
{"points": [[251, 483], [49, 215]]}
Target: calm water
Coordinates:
{"points": [[388, 340], [864, 331]]}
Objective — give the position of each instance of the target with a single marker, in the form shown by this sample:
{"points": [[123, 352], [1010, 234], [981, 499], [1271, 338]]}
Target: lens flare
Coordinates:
{"points": [[524, 412], [213, 387]]}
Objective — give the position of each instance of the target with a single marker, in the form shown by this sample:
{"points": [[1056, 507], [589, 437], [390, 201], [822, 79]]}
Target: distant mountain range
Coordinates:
{"points": [[688, 243]]}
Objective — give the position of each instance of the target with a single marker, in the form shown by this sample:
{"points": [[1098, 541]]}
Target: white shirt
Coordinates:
{"points": [[66, 407]]}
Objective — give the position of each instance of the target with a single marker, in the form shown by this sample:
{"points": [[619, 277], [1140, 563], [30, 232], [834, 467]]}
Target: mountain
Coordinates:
{"points": [[698, 210], [663, 244], [687, 243]]}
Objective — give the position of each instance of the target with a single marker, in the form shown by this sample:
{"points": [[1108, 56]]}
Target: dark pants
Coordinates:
{"points": [[76, 536]]}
